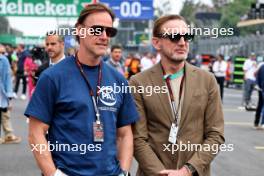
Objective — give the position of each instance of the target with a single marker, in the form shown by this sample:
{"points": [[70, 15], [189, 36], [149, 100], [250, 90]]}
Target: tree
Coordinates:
{"points": [[188, 11], [232, 12]]}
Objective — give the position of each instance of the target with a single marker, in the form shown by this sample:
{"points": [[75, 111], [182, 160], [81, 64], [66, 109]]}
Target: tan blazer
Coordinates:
{"points": [[201, 122]]}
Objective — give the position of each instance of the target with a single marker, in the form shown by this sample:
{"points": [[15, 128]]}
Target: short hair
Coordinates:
{"points": [[90, 9], [115, 47], [21, 46], [55, 32], [2, 49], [160, 21], [221, 57]]}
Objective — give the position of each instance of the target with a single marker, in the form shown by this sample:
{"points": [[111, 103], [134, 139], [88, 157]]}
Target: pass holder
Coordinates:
{"points": [[173, 133], [174, 126], [98, 128], [98, 131]]}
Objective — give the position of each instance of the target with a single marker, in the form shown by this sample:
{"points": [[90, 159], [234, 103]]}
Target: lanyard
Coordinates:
{"points": [[175, 110], [94, 97]]}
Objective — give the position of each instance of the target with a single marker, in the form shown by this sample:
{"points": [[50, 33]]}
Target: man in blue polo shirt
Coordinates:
{"points": [[88, 124]]}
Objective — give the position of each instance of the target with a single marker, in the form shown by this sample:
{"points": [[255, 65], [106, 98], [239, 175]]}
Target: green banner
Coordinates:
{"points": [[43, 8], [27, 40], [140, 38]]}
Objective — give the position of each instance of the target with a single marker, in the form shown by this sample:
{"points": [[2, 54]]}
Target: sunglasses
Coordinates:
{"points": [[177, 37], [98, 30]]}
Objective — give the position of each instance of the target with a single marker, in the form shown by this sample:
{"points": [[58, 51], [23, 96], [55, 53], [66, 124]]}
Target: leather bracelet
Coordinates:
{"points": [[190, 168]]}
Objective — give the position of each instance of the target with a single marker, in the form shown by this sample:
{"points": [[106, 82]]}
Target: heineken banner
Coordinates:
{"points": [[43, 8], [15, 40]]}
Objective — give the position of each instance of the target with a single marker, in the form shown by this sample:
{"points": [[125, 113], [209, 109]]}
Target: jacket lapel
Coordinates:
{"points": [[188, 90], [157, 80]]}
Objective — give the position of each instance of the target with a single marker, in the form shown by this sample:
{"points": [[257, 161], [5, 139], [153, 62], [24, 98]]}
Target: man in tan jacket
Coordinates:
{"points": [[180, 130]]}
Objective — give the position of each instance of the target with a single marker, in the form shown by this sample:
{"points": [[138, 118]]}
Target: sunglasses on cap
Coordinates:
{"points": [[98, 30], [177, 37]]}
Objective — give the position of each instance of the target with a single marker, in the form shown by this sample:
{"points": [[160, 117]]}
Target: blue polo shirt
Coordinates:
{"points": [[62, 101]]}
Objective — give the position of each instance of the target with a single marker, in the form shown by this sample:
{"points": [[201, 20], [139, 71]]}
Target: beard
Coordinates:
{"points": [[177, 58], [52, 54], [173, 57]]}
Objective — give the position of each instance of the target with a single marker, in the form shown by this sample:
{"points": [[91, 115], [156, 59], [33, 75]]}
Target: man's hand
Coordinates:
{"points": [[125, 146], [37, 135], [181, 172], [9, 106]]}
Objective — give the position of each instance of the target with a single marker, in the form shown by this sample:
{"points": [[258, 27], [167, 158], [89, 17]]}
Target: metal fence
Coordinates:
{"points": [[230, 46]]}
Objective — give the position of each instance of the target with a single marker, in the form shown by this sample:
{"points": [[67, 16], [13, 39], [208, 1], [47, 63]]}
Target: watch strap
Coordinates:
{"points": [[191, 168]]}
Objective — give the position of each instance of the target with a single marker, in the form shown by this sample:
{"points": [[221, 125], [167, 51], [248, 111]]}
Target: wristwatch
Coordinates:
{"points": [[191, 168]]}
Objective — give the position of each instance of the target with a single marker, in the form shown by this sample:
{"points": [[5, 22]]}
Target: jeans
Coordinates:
{"points": [[248, 89], [221, 81], [23, 77], [259, 108], [262, 112]]}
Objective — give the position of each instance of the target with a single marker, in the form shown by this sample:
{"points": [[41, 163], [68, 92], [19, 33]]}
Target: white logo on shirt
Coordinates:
{"points": [[107, 96]]}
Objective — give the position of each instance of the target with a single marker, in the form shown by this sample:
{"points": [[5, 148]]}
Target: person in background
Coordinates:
{"points": [[211, 63], [115, 59], [193, 61], [30, 68], [126, 63], [6, 94], [249, 67], [229, 71], [71, 51], [146, 61], [9, 52], [259, 116], [219, 70], [134, 66], [13, 61], [54, 46], [12, 58], [20, 74]]}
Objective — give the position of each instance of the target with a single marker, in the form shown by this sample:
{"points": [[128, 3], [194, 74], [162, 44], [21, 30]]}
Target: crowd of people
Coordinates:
{"points": [[252, 80], [74, 110]]}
